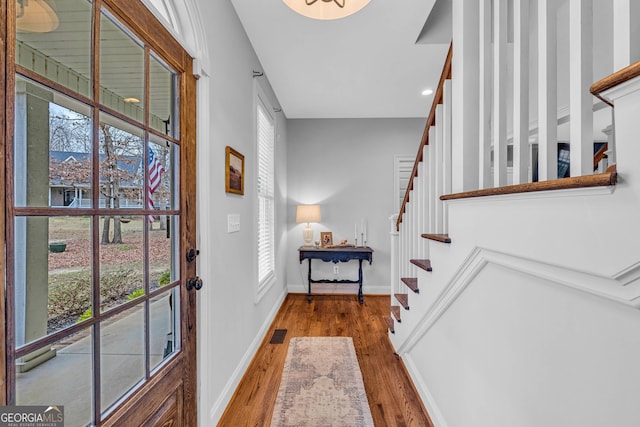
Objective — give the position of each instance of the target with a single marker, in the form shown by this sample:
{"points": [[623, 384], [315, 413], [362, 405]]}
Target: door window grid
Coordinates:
{"points": [[93, 321]]}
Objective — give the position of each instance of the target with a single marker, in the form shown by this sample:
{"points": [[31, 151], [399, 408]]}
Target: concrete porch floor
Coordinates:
{"points": [[67, 378]]}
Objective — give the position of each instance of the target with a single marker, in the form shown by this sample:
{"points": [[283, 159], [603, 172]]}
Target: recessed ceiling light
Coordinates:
{"points": [[427, 92], [132, 100]]}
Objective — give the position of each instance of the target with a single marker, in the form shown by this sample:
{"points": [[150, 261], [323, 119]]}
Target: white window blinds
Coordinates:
{"points": [[266, 184]]}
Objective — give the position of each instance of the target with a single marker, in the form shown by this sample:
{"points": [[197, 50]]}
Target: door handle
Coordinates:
{"points": [[192, 254], [194, 282]]}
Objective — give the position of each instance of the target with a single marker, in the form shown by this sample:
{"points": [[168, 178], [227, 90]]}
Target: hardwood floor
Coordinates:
{"points": [[392, 397]]}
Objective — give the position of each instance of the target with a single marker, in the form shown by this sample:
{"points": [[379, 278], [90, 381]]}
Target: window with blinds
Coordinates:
{"points": [[266, 184]]}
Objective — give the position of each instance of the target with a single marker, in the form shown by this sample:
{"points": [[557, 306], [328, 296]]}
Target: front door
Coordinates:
{"points": [[99, 290]]}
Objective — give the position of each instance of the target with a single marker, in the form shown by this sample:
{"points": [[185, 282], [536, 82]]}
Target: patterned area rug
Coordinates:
{"points": [[321, 385]]}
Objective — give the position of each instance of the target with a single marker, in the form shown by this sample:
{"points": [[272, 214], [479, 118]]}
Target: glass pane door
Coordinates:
{"points": [[94, 215]]}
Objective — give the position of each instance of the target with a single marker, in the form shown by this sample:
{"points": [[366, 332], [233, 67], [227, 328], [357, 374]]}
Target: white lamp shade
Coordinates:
{"points": [[326, 9], [308, 213]]}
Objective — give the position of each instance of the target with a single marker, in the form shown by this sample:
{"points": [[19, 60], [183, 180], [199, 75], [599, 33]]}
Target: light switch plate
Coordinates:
{"points": [[233, 223]]}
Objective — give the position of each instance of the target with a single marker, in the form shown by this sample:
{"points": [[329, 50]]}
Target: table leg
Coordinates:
{"points": [[309, 281], [360, 296]]}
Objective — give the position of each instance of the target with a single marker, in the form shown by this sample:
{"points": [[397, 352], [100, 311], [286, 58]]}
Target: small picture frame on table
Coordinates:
{"points": [[234, 171], [326, 238]]}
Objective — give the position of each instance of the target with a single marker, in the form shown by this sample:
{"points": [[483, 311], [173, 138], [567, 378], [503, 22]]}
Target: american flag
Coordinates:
{"points": [[155, 172]]}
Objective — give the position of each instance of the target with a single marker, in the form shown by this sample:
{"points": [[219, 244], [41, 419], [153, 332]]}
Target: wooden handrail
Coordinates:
{"points": [[614, 80], [431, 119], [600, 154], [610, 177]]}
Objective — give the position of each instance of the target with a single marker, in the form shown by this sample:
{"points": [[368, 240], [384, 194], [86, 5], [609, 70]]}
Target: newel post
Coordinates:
{"points": [[394, 236]]}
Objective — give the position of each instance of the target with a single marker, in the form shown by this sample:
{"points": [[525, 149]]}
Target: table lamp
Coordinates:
{"points": [[308, 214]]}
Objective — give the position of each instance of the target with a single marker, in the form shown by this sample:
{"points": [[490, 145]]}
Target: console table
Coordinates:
{"points": [[336, 255]]}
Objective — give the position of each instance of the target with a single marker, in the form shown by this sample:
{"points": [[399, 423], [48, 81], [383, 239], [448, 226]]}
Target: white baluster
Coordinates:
{"points": [[580, 100], [431, 173], [414, 229], [420, 210], [424, 202], [499, 93], [626, 43], [439, 155], [611, 141], [464, 69], [547, 91], [401, 248], [446, 139], [484, 130], [520, 91], [395, 255]]}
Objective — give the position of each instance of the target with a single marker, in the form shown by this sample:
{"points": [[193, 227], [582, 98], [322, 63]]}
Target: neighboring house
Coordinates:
{"points": [[69, 185]]}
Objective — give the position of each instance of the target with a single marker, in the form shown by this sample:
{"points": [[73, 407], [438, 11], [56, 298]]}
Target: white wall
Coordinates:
{"points": [[346, 166]]}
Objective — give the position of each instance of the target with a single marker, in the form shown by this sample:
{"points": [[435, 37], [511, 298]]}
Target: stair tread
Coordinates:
{"points": [[424, 264], [395, 310], [390, 324], [412, 283], [403, 299], [444, 238]]}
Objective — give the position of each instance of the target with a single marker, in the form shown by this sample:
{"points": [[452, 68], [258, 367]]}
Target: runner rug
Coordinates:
{"points": [[321, 385]]}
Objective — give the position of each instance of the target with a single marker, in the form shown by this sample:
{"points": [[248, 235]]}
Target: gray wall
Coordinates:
{"points": [[346, 166], [233, 319]]}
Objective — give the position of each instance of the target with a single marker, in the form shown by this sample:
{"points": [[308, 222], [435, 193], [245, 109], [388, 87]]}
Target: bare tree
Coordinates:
{"points": [[120, 164], [69, 131]]}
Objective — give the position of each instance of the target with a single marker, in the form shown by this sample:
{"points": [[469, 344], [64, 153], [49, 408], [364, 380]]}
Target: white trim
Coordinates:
{"points": [[628, 275], [604, 287], [260, 97], [184, 24], [207, 247], [623, 89], [427, 398], [218, 407]]}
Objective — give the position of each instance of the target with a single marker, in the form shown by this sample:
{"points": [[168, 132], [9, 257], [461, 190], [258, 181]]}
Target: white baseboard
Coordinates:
{"points": [[218, 407], [426, 396], [298, 288]]}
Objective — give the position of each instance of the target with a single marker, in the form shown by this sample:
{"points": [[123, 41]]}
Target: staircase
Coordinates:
{"points": [[504, 302], [422, 211]]}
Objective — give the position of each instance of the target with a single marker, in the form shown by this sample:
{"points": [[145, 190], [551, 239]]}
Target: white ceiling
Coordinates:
{"points": [[364, 65]]}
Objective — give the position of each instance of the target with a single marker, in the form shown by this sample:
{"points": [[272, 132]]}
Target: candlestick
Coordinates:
{"points": [[355, 233], [362, 238], [364, 232]]}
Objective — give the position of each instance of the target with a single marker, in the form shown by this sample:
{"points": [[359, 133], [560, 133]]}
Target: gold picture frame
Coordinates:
{"points": [[234, 172], [326, 239]]}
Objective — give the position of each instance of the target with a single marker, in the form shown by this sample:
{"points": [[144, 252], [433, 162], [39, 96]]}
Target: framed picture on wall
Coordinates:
{"points": [[234, 172], [326, 238]]}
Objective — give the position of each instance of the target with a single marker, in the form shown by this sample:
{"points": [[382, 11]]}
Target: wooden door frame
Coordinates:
{"points": [[178, 378], [4, 136]]}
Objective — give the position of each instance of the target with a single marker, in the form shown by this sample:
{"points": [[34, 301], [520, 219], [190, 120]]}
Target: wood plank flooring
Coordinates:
{"points": [[392, 397]]}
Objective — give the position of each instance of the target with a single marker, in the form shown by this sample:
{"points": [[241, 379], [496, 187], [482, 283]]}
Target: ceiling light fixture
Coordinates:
{"points": [[326, 9], [132, 100], [427, 92], [35, 16]]}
